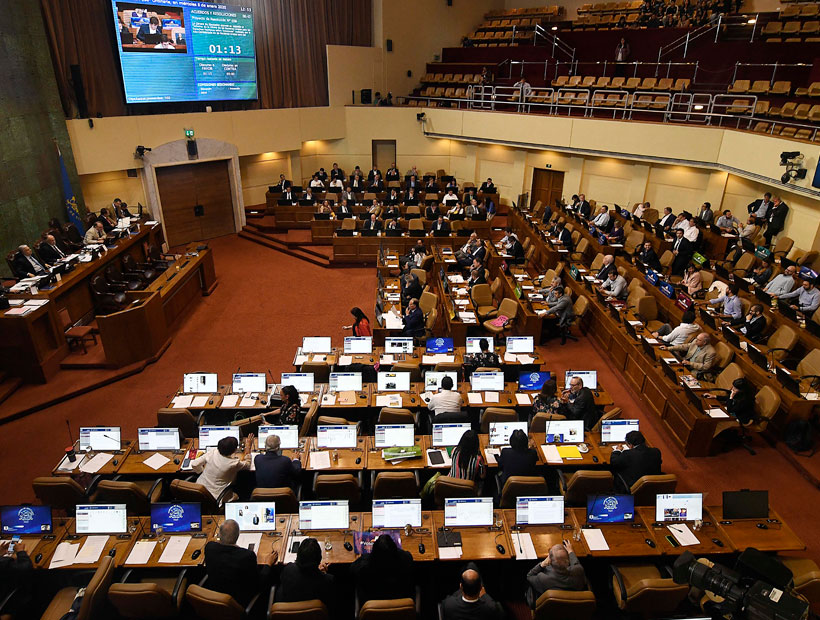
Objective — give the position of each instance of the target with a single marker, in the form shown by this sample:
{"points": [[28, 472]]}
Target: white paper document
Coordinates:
{"points": [[392, 321], [293, 541], [246, 540], [683, 534], [96, 464], [345, 360], [523, 399], [66, 465], [438, 358], [320, 460], [229, 401], [387, 359], [522, 544], [182, 402], [523, 358], [510, 357], [388, 400], [64, 555], [449, 553], [174, 549], [329, 399], [491, 455], [141, 552], [490, 397], [716, 412], [197, 402], [156, 460], [595, 540], [248, 401], [551, 453], [91, 550], [300, 359], [474, 398], [651, 340]]}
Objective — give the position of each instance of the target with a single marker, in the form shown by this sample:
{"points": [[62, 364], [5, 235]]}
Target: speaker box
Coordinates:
{"points": [[193, 151], [79, 90], [366, 96], [389, 45]]}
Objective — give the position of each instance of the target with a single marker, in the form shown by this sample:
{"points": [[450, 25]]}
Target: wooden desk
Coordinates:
{"points": [[197, 542], [121, 544], [601, 453], [479, 542], [32, 345], [270, 541], [134, 462], [337, 538], [419, 535], [624, 539], [44, 544], [376, 463], [545, 536], [706, 535], [346, 457], [743, 533], [109, 469]]}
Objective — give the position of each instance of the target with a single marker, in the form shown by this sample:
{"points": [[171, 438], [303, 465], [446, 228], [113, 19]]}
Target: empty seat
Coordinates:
{"points": [[781, 87], [664, 84], [788, 109], [791, 28], [772, 29], [649, 83], [810, 27], [633, 83], [740, 86], [801, 112], [681, 84], [759, 87]]}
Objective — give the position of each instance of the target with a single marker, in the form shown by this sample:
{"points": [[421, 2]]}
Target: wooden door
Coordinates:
{"points": [[384, 154], [196, 201], [547, 186]]}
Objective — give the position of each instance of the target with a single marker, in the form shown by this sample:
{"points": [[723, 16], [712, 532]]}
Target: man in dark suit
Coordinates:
{"points": [[273, 469], [49, 251], [487, 187], [516, 250], [441, 225], [646, 255], [584, 208], [321, 175], [233, 570], [638, 460], [476, 277], [306, 578], [664, 224], [777, 219], [376, 185], [410, 289], [413, 319], [372, 224], [343, 210], [564, 236], [357, 183], [470, 601], [606, 268], [26, 264], [283, 183], [431, 212], [754, 324], [683, 251], [760, 208], [413, 182], [288, 195], [151, 33], [374, 172], [579, 403], [393, 173], [337, 173]]}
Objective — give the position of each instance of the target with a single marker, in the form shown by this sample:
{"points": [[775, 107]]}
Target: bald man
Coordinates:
{"points": [[560, 570], [470, 601]]}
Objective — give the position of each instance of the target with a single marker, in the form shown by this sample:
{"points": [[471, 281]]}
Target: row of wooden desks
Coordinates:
{"points": [[359, 249]]}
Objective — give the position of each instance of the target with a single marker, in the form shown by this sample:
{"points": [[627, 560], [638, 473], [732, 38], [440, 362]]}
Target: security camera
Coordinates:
{"points": [[420, 117], [141, 151], [787, 156]]}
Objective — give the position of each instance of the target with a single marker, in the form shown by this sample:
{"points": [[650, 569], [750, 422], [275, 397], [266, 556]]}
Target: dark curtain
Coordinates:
{"points": [[291, 36]]}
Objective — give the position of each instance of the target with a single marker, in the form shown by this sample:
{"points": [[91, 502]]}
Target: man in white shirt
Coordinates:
{"points": [[337, 182], [782, 283], [681, 333], [524, 88], [316, 183], [217, 469], [690, 231], [602, 219], [615, 285], [449, 199], [445, 401]]}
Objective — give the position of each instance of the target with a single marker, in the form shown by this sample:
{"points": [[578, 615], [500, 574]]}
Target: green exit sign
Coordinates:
{"points": [[189, 133]]}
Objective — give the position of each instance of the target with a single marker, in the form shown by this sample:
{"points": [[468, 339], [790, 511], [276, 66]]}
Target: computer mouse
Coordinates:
{"points": [[412, 400], [509, 400], [211, 402], [763, 526], [501, 548], [113, 552], [594, 459], [650, 542], [348, 546], [358, 460], [114, 462], [196, 554], [371, 359], [37, 558], [415, 354], [718, 542], [421, 548], [176, 461]]}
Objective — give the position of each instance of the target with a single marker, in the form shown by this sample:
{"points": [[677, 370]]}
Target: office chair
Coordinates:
{"points": [[516, 486], [723, 382], [210, 605], [613, 413], [143, 270], [130, 281], [136, 495], [79, 334], [569, 604], [395, 484], [447, 487], [394, 415], [647, 311], [108, 298], [181, 419], [286, 501], [338, 486], [308, 427], [320, 370], [303, 610], [508, 308], [767, 402], [483, 301], [646, 488], [414, 368], [93, 601], [150, 597], [62, 492], [188, 491], [642, 589], [541, 419], [157, 259], [582, 483], [781, 342], [806, 579], [396, 609], [496, 414]]}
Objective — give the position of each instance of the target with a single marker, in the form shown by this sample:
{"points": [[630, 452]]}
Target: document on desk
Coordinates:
{"points": [[318, 357], [522, 544], [141, 552], [64, 555], [716, 412], [683, 534], [36, 303], [570, 453], [183, 401], [19, 311], [91, 550], [246, 540], [66, 465], [392, 321], [438, 358], [345, 360], [96, 464], [174, 549], [595, 539], [651, 340], [490, 397], [523, 399], [526, 359], [491, 455], [156, 460], [449, 553], [347, 398], [387, 359], [474, 398], [388, 400], [462, 302], [670, 360], [319, 460], [329, 399], [551, 454], [249, 400], [293, 545], [16, 302], [467, 317], [510, 357], [229, 401], [197, 402], [456, 278], [300, 359]]}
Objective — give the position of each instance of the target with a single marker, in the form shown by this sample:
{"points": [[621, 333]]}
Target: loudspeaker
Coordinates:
{"points": [[79, 90], [389, 45], [199, 210], [366, 96], [131, 173], [449, 2], [193, 151]]}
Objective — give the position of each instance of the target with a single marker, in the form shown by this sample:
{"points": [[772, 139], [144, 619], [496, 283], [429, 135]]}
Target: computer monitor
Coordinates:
{"points": [[468, 511], [614, 431], [539, 510], [100, 519], [449, 434], [25, 519], [564, 431], [199, 383], [588, 377], [529, 381], [439, 345], [249, 382], [316, 344], [473, 344], [345, 381], [358, 344], [209, 436], [288, 436], [398, 345], [100, 438], [336, 436], [396, 512], [610, 508], [176, 517], [500, 432], [678, 506], [395, 435], [393, 381], [326, 515], [487, 382], [252, 516], [745, 504], [520, 344], [302, 381], [432, 379], [158, 438]]}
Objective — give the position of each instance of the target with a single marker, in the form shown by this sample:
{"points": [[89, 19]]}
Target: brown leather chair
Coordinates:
{"points": [[565, 604], [150, 598], [79, 334], [483, 301], [427, 302], [641, 589], [395, 484], [582, 483], [396, 609], [303, 610], [60, 492], [136, 495], [210, 605], [496, 414], [647, 311], [646, 488], [723, 382], [93, 600], [613, 413], [186, 491], [108, 298], [541, 419], [395, 415], [145, 271], [413, 368], [286, 501], [320, 370], [309, 423], [806, 579], [516, 486], [447, 487], [781, 342], [508, 308], [181, 419], [338, 486], [327, 420]]}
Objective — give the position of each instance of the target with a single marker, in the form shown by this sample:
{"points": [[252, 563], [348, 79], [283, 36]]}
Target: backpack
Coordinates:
{"points": [[799, 436]]}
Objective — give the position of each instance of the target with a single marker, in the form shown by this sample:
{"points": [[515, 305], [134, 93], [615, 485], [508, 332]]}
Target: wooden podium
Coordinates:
{"points": [[136, 333]]}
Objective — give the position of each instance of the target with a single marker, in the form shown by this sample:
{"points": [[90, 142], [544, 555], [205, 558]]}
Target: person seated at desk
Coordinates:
{"points": [[782, 283], [440, 225], [635, 461], [735, 247], [361, 324], [740, 402], [308, 196], [476, 277], [487, 187], [274, 469], [484, 358], [560, 570], [449, 199], [578, 403], [808, 298], [445, 402], [507, 239], [562, 309], [217, 469], [392, 212], [607, 267], [343, 210], [410, 288], [348, 195], [106, 220], [470, 601], [679, 334], [516, 250], [413, 319], [385, 573], [288, 195], [316, 183], [50, 252], [647, 255], [727, 222], [357, 183], [95, 234], [373, 223], [520, 459], [471, 251], [321, 175], [151, 30], [692, 280], [120, 209], [431, 185], [563, 236], [336, 172], [762, 274], [546, 400], [392, 224], [456, 212], [583, 208], [377, 185], [392, 173], [451, 185], [615, 286], [664, 224], [431, 213], [16, 574], [324, 207], [410, 197], [754, 324], [699, 354], [336, 183], [468, 463], [283, 183], [549, 291], [413, 182], [601, 221], [732, 311], [414, 256], [393, 198], [290, 411], [307, 578], [26, 265], [706, 215], [616, 235], [232, 569]]}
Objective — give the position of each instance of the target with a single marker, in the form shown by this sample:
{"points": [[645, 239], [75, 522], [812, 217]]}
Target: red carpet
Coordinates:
{"points": [[265, 303]]}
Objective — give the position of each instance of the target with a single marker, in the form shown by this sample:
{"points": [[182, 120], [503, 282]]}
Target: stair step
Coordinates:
{"points": [[294, 250], [8, 385]]}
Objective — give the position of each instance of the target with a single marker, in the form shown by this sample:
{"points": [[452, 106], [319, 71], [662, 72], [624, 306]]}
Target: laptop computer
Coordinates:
{"points": [[745, 504], [788, 380], [763, 296], [649, 349], [731, 336], [758, 357], [708, 319]]}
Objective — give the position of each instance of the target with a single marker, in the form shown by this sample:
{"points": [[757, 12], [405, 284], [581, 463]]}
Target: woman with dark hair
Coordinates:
{"points": [[306, 578], [468, 464], [361, 325], [517, 460], [386, 573], [546, 399], [291, 410]]}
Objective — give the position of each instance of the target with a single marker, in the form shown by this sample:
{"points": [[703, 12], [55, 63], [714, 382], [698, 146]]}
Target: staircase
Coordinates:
{"points": [[293, 242]]}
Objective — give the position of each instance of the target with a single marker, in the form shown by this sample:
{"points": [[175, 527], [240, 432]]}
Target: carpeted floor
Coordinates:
{"points": [[264, 304]]}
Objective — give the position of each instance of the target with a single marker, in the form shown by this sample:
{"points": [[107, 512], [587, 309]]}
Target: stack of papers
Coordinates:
{"points": [[19, 311], [64, 555], [300, 359], [595, 540], [329, 399], [456, 278], [174, 549], [392, 321], [293, 543], [467, 317], [551, 454], [95, 464], [156, 461], [182, 402], [388, 400], [320, 460], [141, 552], [523, 546]]}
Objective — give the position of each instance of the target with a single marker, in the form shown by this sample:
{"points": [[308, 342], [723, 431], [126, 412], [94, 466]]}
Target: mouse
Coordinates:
{"points": [[37, 558], [113, 552], [196, 554], [763, 526], [594, 459], [649, 542], [348, 546], [412, 400], [501, 548], [718, 542], [176, 461], [421, 548], [114, 462], [509, 400], [371, 359], [353, 518], [358, 460]]}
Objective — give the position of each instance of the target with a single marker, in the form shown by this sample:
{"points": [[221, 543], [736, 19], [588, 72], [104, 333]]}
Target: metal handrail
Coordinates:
{"points": [[557, 43], [690, 36], [774, 65]]}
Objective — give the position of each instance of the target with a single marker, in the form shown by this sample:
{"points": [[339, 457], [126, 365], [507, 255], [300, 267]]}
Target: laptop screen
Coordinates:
{"points": [[588, 377], [467, 511], [615, 431], [398, 345], [176, 517], [302, 381], [99, 438], [209, 436], [745, 504], [473, 344], [288, 436], [199, 383], [25, 519], [520, 344], [101, 519], [358, 344], [249, 382], [539, 510], [679, 507], [448, 434], [610, 508], [439, 345], [395, 435], [432, 379], [336, 436], [396, 512], [564, 431], [487, 382], [316, 344], [158, 438], [500, 432], [529, 381], [393, 382], [345, 381], [327, 515], [252, 516]]}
